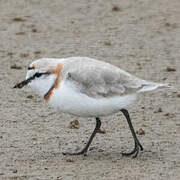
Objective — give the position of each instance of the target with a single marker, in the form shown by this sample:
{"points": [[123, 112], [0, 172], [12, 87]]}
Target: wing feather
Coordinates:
{"points": [[99, 79]]}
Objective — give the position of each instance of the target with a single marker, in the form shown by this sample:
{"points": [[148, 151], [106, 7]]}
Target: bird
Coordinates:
{"points": [[86, 87]]}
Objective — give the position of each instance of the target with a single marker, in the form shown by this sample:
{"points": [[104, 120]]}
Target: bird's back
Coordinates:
{"points": [[99, 79]]}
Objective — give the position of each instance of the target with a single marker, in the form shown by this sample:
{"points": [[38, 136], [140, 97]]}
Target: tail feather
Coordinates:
{"points": [[152, 86]]}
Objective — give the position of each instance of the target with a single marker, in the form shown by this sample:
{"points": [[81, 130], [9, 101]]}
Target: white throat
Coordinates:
{"points": [[42, 84]]}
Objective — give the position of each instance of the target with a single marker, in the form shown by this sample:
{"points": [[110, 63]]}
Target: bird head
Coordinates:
{"points": [[41, 75]]}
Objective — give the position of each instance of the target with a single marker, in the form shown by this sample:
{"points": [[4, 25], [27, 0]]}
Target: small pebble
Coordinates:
{"points": [[74, 124], [167, 24], [20, 33], [100, 150], [159, 110], [140, 132], [14, 170], [18, 19], [107, 43], [37, 53], [69, 160], [14, 66], [34, 139], [167, 114], [164, 78], [29, 97], [170, 69], [116, 8], [174, 25], [23, 55], [34, 30], [10, 53]]}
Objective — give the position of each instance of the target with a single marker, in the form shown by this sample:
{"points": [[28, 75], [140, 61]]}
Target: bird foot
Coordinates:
{"points": [[83, 152], [135, 151]]}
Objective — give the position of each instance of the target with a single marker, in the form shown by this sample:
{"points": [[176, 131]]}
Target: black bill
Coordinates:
{"points": [[27, 81]]}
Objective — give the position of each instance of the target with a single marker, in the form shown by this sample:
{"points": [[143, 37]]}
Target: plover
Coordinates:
{"points": [[86, 87]]}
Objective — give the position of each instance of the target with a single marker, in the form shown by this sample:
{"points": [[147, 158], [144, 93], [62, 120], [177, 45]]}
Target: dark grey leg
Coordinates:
{"points": [[84, 150], [138, 145]]}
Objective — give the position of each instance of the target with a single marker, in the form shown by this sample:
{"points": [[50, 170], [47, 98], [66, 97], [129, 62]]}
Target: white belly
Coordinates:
{"points": [[68, 100]]}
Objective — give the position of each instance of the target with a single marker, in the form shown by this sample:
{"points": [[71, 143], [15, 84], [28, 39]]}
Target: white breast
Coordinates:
{"points": [[68, 99]]}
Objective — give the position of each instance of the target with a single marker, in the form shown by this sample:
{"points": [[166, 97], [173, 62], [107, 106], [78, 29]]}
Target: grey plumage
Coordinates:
{"points": [[99, 79]]}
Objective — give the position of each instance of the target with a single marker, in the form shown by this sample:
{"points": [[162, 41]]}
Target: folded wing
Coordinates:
{"points": [[99, 79]]}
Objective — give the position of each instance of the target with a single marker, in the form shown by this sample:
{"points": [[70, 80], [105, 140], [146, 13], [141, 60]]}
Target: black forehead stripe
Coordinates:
{"points": [[29, 68], [38, 74]]}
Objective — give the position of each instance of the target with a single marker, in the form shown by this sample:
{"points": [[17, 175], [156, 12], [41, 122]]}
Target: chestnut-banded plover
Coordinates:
{"points": [[86, 87]]}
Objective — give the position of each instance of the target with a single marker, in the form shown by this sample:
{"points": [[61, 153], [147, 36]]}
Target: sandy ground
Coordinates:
{"points": [[142, 37]]}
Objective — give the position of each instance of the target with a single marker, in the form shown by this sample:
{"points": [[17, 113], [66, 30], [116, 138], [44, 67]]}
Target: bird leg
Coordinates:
{"points": [[138, 145], [85, 149]]}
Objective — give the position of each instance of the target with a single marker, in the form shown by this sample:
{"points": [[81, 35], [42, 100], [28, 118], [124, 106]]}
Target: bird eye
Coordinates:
{"points": [[38, 74]]}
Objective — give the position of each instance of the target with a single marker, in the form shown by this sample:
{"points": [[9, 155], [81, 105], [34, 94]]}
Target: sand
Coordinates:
{"points": [[141, 37]]}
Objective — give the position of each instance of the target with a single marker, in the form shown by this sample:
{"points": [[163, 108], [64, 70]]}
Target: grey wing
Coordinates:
{"points": [[102, 79], [96, 84]]}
